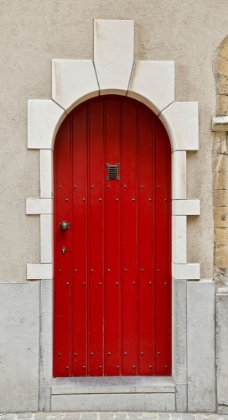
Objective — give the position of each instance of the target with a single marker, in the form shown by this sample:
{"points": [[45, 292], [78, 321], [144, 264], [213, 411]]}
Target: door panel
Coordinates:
{"points": [[96, 239], [129, 239], [112, 286], [163, 251], [62, 273], [146, 243], [79, 231], [112, 242]]}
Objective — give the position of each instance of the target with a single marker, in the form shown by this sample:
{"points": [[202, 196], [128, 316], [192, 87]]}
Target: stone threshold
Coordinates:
{"points": [[113, 385]]}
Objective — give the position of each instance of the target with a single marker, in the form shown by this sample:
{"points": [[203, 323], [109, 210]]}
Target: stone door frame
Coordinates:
{"points": [[114, 71]]}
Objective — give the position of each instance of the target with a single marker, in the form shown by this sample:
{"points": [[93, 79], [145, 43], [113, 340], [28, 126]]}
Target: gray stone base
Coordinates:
{"points": [[19, 346], [113, 394], [113, 385], [222, 349], [114, 402], [223, 409]]}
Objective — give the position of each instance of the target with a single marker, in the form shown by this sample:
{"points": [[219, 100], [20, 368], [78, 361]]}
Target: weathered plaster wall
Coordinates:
{"points": [[33, 32]]}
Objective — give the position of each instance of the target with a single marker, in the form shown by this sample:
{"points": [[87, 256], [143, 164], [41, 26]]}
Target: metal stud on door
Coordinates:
{"points": [[112, 227]]}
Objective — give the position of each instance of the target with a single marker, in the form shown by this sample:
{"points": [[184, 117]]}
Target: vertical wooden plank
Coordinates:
{"points": [[112, 244], [129, 239], [62, 275], [79, 244], [163, 250], [96, 237], [146, 245]]}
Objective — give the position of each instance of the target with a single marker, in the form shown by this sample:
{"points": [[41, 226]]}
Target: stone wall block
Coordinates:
{"points": [[221, 236], [220, 143], [221, 75], [220, 163], [220, 181], [201, 346], [222, 105], [179, 296], [223, 48], [223, 85], [222, 66], [221, 217], [221, 256], [222, 346], [19, 349], [220, 198], [46, 333], [181, 398], [220, 124]]}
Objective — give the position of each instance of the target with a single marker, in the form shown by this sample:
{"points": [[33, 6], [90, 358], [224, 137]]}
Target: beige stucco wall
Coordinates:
{"points": [[33, 32]]}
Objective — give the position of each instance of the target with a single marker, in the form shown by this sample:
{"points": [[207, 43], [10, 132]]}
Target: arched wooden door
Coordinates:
{"points": [[112, 267]]}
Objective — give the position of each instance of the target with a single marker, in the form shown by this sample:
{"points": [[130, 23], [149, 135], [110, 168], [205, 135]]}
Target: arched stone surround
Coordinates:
{"points": [[114, 70]]}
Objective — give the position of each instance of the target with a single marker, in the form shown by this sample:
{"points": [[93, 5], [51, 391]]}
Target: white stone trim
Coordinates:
{"points": [[46, 167], [113, 54], [39, 271], [154, 82], [186, 207], [73, 81], [181, 122], [179, 243], [179, 175], [151, 83], [219, 123], [186, 271], [44, 119], [46, 241], [39, 206]]}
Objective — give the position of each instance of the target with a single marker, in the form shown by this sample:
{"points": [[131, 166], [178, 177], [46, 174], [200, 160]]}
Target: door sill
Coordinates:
{"points": [[113, 385]]}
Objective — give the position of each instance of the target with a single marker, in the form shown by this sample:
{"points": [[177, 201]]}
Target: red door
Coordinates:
{"points": [[112, 256]]}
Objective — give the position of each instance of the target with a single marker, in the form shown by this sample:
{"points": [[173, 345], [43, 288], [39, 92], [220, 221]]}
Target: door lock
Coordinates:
{"points": [[64, 226]]}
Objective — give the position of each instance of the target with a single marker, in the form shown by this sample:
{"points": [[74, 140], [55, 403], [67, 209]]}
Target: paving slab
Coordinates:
{"points": [[86, 415]]}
